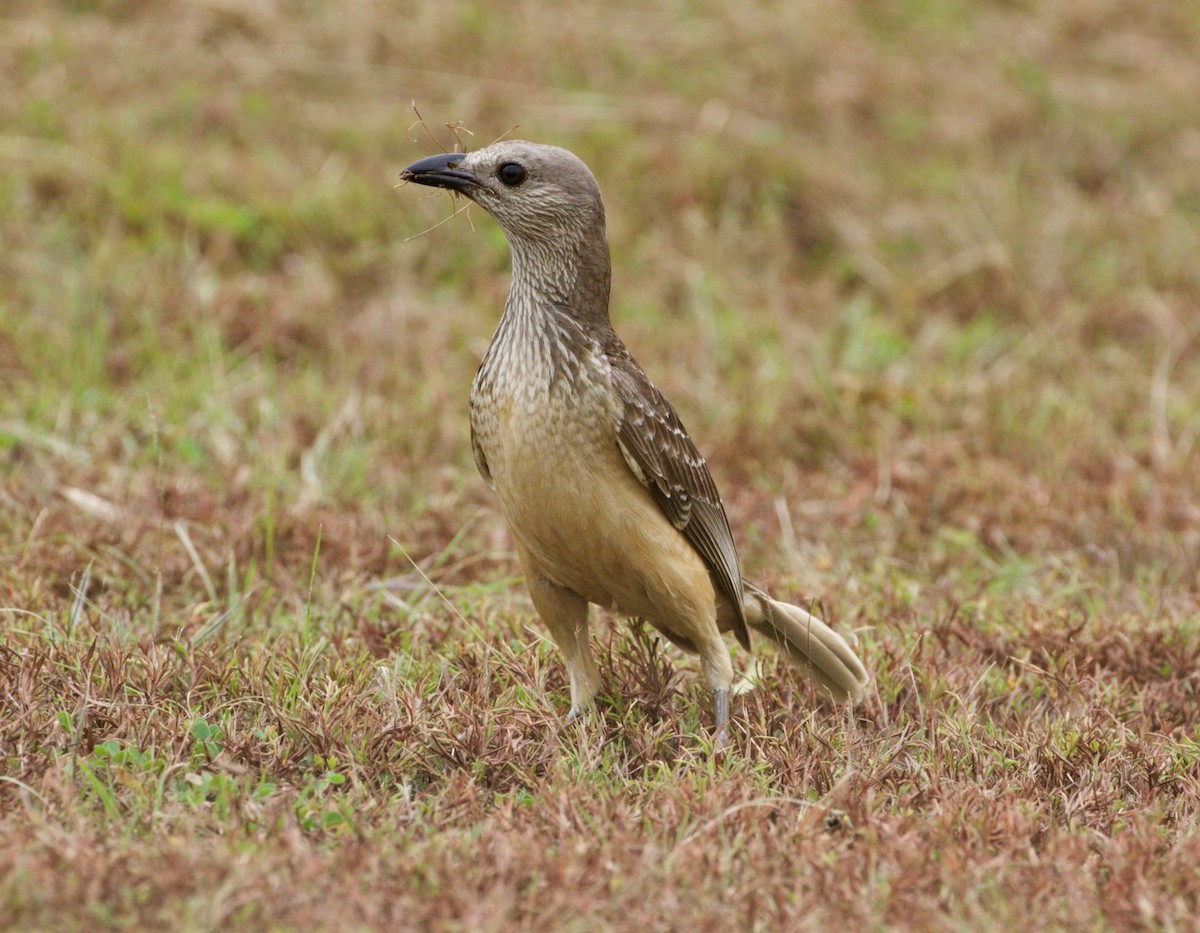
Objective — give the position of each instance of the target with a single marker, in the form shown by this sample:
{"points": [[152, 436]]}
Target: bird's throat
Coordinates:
{"points": [[570, 275]]}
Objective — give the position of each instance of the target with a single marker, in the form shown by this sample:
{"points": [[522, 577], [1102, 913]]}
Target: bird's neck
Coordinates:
{"points": [[565, 277], [555, 323]]}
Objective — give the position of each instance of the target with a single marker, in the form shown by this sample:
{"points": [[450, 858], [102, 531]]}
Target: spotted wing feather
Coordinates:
{"points": [[665, 460]]}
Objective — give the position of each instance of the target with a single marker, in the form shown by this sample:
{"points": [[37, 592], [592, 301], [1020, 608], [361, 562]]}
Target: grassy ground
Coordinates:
{"points": [[922, 279]]}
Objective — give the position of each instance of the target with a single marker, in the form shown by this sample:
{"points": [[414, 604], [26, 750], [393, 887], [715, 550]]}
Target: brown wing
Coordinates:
{"points": [[481, 463], [665, 460]]}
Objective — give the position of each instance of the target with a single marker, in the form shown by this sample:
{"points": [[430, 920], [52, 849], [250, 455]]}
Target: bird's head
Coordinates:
{"points": [[536, 193]]}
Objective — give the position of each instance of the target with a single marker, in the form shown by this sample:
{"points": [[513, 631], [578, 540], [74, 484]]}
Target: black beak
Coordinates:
{"points": [[440, 171]]}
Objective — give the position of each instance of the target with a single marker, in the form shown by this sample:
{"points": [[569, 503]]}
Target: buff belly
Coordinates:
{"points": [[572, 502]]}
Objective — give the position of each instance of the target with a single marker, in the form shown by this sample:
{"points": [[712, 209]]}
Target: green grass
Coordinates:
{"points": [[921, 281]]}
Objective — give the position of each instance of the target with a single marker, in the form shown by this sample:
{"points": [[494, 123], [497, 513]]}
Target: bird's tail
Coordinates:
{"points": [[814, 646]]}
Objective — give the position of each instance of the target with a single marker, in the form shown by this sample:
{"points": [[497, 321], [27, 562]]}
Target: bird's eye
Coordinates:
{"points": [[511, 174]]}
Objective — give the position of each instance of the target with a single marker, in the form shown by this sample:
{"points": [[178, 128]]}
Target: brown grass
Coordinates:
{"points": [[920, 278]]}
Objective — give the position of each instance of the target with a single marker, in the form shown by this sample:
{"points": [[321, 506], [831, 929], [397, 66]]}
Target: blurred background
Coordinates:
{"points": [[920, 277]]}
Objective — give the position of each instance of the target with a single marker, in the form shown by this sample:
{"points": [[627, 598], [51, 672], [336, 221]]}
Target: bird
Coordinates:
{"points": [[607, 497]]}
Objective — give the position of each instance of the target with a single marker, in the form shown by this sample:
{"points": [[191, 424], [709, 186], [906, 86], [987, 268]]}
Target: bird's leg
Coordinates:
{"points": [[570, 633], [566, 616], [721, 703], [582, 673], [581, 669], [718, 671]]}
